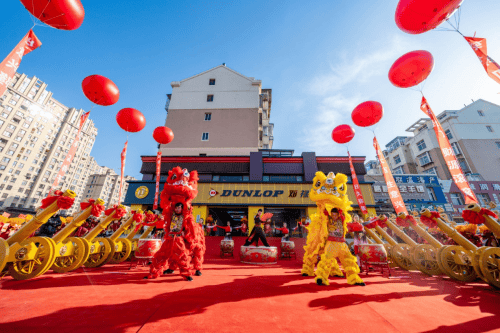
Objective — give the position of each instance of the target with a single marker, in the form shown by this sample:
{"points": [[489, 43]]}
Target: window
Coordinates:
{"points": [[432, 195], [421, 145], [456, 199], [498, 144], [464, 165], [204, 137], [481, 113], [211, 82], [210, 98], [448, 134], [399, 170], [208, 116], [456, 148], [431, 171], [483, 198], [397, 159], [424, 159], [489, 128]]}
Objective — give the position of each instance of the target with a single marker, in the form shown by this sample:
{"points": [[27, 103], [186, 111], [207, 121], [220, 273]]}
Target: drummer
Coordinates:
{"points": [[285, 233]]}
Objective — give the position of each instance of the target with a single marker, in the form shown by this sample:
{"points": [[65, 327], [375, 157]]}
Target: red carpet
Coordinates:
{"points": [[233, 297]]}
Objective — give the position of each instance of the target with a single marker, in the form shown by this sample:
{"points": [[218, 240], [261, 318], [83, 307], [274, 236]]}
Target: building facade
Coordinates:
{"points": [[231, 187], [36, 132], [474, 134], [218, 112], [417, 191], [106, 185]]}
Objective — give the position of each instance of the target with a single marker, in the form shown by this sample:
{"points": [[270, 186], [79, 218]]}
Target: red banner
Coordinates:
{"points": [[123, 156], [479, 47], [158, 168], [392, 188], [9, 65], [449, 155], [71, 154], [357, 189]]}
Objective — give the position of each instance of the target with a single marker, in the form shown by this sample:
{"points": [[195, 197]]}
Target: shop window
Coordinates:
{"points": [[229, 179], [300, 179], [215, 178], [246, 178], [265, 178]]}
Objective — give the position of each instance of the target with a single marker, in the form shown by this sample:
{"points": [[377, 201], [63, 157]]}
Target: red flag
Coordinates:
{"points": [[479, 47], [158, 167], [9, 65], [357, 189], [394, 195], [449, 155], [71, 154], [123, 156]]}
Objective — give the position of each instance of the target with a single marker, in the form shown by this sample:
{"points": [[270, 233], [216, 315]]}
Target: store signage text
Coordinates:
{"points": [[259, 193]]}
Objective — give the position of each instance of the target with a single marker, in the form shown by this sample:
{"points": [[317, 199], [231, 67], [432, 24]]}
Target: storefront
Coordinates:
{"points": [[233, 187], [229, 202]]}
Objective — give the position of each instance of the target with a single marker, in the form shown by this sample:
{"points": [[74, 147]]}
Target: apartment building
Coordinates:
{"points": [[218, 112], [106, 185], [36, 132]]}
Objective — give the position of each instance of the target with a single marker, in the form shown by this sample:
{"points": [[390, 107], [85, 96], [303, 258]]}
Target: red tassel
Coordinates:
{"points": [[138, 217], [429, 221], [96, 208], [65, 202]]}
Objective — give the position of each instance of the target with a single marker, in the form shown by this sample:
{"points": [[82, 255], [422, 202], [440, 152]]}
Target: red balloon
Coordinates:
{"points": [[100, 90], [59, 14], [163, 135], [367, 113], [411, 69], [130, 120], [342, 134], [418, 16]]}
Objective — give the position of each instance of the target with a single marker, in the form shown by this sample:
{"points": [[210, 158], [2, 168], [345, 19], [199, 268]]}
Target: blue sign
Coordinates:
{"points": [[432, 180]]}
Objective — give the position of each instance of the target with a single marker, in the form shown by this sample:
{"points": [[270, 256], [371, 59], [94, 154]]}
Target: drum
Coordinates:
{"points": [[259, 255], [372, 253], [287, 246], [227, 245], [146, 248]]}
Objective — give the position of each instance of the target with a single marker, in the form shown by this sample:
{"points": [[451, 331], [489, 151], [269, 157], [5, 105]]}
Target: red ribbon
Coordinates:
{"points": [[62, 202], [429, 221], [354, 227], [137, 216], [97, 209], [382, 222], [372, 224], [405, 222], [477, 217], [119, 212], [150, 218]]}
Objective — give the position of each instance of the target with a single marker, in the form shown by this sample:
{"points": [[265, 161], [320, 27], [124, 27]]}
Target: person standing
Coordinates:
{"points": [[257, 232]]}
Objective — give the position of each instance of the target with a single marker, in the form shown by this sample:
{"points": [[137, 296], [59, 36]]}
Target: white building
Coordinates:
{"points": [[36, 132], [218, 112]]}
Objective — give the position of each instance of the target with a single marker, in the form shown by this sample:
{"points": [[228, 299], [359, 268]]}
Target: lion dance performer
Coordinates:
{"points": [[327, 230], [181, 187]]}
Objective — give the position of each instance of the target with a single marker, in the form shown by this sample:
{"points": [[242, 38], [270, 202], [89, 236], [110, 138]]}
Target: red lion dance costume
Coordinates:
{"points": [[180, 240]]}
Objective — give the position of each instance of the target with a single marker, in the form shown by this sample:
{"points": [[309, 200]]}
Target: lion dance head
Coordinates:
{"points": [[181, 186]]}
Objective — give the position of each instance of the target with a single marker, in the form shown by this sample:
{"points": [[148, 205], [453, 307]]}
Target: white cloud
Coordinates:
{"points": [[341, 89]]}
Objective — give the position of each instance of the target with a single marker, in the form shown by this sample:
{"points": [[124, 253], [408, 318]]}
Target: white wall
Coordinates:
{"points": [[231, 91]]}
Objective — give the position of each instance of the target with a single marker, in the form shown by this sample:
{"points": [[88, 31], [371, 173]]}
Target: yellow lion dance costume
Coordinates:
{"points": [[325, 236]]}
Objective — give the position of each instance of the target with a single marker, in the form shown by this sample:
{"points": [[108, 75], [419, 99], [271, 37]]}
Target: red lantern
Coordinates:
{"points": [[163, 135], [100, 90], [367, 113], [411, 69], [418, 16], [342, 134], [130, 120], [59, 14]]}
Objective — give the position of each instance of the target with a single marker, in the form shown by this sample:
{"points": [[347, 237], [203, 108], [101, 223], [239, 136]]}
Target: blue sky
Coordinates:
{"points": [[321, 58]]}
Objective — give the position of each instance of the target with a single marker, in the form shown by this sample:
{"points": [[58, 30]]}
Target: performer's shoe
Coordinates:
{"points": [[360, 284], [197, 273], [319, 282], [188, 278], [304, 274], [145, 278], [168, 271]]}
